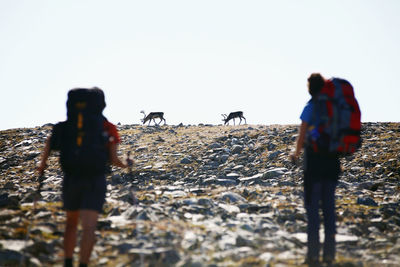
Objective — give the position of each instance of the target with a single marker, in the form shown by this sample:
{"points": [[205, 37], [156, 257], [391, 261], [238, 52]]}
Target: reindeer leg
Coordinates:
{"points": [[245, 122]]}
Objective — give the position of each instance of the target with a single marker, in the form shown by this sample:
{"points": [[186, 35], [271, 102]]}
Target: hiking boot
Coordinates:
{"points": [[328, 261], [312, 262]]}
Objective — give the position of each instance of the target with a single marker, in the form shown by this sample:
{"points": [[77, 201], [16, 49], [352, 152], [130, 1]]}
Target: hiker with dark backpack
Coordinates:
{"points": [[88, 144], [330, 128]]}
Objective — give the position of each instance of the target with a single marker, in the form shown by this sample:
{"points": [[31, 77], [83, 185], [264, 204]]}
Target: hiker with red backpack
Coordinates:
{"points": [[330, 128], [88, 143]]}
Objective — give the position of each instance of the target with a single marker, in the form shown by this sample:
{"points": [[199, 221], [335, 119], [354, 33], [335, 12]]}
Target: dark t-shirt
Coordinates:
{"points": [[95, 161], [110, 128]]}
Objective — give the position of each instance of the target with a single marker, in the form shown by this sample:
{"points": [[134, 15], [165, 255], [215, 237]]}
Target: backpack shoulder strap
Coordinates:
{"points": [[57, 135]]}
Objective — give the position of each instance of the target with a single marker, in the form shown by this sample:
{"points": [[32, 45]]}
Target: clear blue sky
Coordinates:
{"points": [[195, 59]]}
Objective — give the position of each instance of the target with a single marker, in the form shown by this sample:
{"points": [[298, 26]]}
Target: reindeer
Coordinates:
{"points": [[233, 115], [152, 116]]}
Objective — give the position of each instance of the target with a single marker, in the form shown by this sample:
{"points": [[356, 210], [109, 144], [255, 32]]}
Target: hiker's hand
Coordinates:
{"points": [[293, 158], [129, 162]]}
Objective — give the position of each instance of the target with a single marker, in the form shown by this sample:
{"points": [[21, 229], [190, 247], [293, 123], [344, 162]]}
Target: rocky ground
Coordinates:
{"points": [[204, 196]]}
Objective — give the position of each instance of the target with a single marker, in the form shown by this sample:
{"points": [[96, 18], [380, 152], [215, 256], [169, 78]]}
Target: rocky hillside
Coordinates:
{"points": [[205, 196]]}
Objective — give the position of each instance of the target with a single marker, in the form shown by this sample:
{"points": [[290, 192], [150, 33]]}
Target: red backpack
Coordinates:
{"points": [[338, 118]]}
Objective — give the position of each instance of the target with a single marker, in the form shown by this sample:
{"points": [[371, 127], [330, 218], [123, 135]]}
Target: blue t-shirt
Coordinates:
{"points": [[306, 115]]}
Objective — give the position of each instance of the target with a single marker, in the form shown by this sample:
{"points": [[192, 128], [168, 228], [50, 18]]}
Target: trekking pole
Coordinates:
{"points": [[135, 201], [294, 161], [36, 197]]}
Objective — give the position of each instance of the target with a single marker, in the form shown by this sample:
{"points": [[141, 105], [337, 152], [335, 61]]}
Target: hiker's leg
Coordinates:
{"points": [[328, 208], [312, 208], [71, 227], [89, 222]]}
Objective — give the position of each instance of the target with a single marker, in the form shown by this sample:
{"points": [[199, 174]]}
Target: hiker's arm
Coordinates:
{"points": [[44, 157], [114, 157], [300, 140]]}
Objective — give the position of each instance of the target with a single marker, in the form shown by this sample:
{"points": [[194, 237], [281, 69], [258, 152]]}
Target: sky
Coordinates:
{"points": [[195, 60]]}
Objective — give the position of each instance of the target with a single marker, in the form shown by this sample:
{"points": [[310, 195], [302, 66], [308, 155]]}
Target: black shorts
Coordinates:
{"points": [[79, 193], [319, 167]]}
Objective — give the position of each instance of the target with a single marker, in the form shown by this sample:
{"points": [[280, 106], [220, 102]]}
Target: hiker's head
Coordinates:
{"points": [[315, 83], [100, 94]]}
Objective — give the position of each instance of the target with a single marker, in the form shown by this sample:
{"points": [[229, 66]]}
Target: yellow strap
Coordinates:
{"points": [[79, 141], [80, 121]]}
